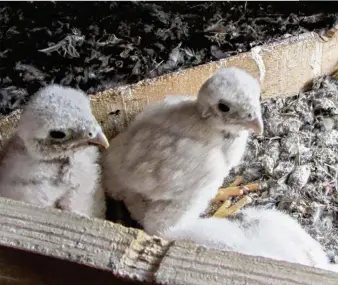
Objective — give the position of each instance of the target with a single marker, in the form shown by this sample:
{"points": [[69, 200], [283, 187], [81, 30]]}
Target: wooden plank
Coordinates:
{"points": [[284, 67], [97, 243], [132, 254], [192, 264]]}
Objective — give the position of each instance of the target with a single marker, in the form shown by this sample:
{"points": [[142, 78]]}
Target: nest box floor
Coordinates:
{"points": [[113, 43]]}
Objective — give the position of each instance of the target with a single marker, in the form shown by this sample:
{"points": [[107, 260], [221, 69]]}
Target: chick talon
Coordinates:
{"points": [[227, 192], [225, 211], [244, 188], [232, 190]]}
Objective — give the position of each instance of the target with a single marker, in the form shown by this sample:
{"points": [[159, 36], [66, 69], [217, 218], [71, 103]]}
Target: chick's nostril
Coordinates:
{"points": [[250, 116]]}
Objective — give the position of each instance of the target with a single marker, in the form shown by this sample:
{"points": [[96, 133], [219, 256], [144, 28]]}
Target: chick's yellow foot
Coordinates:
{"points": [[233, 190], [230, 191], [226, 210]]}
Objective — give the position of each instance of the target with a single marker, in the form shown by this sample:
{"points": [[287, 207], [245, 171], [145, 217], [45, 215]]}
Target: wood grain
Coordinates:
{"points": [[133, 255]]}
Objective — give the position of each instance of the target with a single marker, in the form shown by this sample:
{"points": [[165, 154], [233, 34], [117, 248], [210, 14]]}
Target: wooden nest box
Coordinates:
{"points": [[47, 246]]}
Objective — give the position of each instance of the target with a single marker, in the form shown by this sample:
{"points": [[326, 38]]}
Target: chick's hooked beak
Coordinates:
{"points": [[256, 125], [99, 138]]}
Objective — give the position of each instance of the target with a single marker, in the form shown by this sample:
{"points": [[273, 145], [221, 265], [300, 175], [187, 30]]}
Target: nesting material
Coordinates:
{"points": [[295, 162], [112, 43]]}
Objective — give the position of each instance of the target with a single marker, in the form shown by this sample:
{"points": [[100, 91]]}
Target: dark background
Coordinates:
{"points": [[98, 45]]}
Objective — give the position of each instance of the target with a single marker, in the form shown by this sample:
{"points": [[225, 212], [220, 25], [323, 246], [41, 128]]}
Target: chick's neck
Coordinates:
{"points": [[187, 120]]}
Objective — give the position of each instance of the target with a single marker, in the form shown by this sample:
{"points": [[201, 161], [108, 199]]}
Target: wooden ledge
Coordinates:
{"points": [[132, 254], [284, 67]]}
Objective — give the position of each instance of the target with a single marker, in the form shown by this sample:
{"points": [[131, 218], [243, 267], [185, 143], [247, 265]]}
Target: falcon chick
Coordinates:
{"points": [[234, 148], [257, 232], [172, 155], [52, 159], [170, 162]]}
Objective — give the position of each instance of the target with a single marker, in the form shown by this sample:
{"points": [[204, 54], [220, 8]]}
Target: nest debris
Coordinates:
{"points": [[110, 44]]}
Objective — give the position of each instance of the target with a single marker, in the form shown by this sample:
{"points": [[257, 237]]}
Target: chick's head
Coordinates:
{"points": [[230, 99], [57, 121]]}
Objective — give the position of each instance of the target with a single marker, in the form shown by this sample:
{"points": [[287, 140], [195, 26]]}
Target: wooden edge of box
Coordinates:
{"points": [[283, 67], [132, 254]]}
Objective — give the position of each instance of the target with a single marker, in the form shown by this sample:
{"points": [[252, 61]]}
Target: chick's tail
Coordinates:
{"points": [[221, 234]]}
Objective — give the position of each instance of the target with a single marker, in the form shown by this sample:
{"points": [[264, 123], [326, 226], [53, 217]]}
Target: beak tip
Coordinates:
{"points": [[105, 143], [100, 139], [257, 126]]}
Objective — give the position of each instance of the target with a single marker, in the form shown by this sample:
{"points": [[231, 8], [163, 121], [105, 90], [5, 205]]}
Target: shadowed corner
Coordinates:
{"points": [[19, 267]]}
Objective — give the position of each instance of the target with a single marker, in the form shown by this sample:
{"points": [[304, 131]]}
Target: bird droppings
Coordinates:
{"points": [[110, 44], [297, 160]]}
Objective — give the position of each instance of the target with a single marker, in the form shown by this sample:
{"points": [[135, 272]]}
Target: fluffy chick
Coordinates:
{"points": [[52, 159], [170, 162], [255, 231], [258, 232], [235, 140], [171, 157]]}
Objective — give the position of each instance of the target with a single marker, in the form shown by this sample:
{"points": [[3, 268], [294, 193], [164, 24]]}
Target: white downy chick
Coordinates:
{"points": [[262, 227], [52, 159], [235, 142], [171, 161], [172, 154], [258, 232]]}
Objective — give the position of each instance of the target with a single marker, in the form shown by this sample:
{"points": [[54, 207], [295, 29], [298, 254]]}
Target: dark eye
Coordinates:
{"points": [[223, 108], [58, 135]]}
